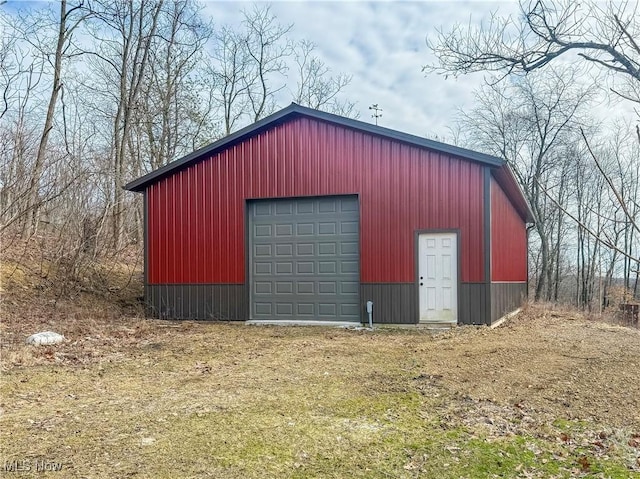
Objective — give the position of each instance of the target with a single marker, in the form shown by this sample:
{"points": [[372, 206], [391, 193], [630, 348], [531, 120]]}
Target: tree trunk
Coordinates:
{"points": [[33, 204], [544, 264]]}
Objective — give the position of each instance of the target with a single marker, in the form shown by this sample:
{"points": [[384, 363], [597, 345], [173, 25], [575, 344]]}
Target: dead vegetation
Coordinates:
{"points": [[551, 393]]}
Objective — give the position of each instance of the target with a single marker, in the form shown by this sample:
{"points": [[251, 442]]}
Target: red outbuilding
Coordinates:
{"points": [[307, 216]]}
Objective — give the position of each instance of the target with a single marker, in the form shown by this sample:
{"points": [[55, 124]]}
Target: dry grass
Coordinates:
{"points": [[549, 394]]}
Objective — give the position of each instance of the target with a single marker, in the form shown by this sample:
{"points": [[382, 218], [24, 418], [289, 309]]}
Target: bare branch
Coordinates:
{"points": [[613, 188], [593, 234]]}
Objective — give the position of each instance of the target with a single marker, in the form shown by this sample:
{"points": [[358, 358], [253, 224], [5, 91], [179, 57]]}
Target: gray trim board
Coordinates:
{"points": [[506, 297], [285, 322], [393, 303], [473, 304], [397, 303], [222, 302], [487, 242], [247, 256], [292, 111], [145, 238]]}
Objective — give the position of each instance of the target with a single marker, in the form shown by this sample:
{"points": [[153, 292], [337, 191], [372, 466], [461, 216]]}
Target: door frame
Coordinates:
{"points": [[416, 242]]}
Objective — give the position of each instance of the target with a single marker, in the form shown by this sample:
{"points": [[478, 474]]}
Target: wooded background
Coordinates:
{"points": [[95, 93]]}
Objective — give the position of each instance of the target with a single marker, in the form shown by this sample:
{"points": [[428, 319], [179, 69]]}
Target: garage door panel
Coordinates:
{"points": [[305, 259], [305, 268], [327, 267], [262, 269], [327, 228], [348, 227], [262, 231], [284, 268], [284, 249], [284, 230], [306, 309], [305, 287], [263, 309], [327, 248], [262, 209], [284, 287], [263, 287], [349, 248], [328, 309], [305, 249], [350, 288], [284, 309], [347, 205], [349, 309], [283, 208], [262, 250], [327, 205], [347, 267], [305, 229], [303, 207], [327, 287]]}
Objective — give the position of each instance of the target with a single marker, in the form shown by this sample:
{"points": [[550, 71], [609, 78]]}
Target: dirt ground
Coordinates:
{"points": [[550, 358], [547, 394]]}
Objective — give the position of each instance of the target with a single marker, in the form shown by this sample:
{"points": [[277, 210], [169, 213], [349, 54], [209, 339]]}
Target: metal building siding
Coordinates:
{"points": [[508, 239], [196, 227]]}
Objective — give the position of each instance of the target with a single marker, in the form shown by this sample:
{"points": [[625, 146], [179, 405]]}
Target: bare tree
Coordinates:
{"points": [[268, 48], [69, 19], [171, 116], [249, 67], [316, 88], [229, 69], [18, 137], [529, 123], [127, 30], [603, 34], [97, 92], [10, 61]]}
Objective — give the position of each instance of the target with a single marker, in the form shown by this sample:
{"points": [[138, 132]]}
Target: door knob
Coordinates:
{"points": [[421, 284]]}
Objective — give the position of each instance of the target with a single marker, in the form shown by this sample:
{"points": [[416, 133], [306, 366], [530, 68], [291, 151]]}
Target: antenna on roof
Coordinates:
{"points": [[375, 109]]}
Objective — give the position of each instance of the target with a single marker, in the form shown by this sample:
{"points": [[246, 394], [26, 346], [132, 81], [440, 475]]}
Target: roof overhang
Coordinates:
{"points": [[507, 181]]}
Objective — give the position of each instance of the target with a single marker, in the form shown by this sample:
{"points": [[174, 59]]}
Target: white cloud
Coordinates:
{"points": [[383, 46]]}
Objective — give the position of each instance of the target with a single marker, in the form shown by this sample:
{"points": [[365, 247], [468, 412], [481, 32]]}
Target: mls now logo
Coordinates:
{"points": [[37, 465]]}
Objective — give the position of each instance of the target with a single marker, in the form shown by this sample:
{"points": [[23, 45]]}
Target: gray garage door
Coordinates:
{"points": [[304, 259]]}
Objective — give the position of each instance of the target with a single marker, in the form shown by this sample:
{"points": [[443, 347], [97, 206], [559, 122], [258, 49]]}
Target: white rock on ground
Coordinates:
{"points": [[44, 338]]}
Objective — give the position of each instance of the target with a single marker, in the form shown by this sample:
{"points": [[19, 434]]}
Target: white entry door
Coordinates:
{"points": [[438, 277]]}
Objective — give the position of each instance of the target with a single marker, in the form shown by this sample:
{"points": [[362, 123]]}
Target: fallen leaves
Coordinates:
{"points": [[562, 392], [585, 464]]}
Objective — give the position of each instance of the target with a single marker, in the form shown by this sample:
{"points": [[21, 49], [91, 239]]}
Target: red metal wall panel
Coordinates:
{"points": [[196, 228], [508, 239]]}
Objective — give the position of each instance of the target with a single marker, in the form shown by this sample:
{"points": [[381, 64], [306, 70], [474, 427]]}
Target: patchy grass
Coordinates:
{"points": [[543, 396]]}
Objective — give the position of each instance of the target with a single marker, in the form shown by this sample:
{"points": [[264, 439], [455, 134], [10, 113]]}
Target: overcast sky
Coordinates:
{"points": [[382, 45]]}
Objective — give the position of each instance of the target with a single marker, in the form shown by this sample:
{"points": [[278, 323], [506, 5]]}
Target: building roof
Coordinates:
{"points": [[294, 110]]}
